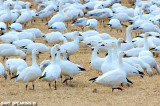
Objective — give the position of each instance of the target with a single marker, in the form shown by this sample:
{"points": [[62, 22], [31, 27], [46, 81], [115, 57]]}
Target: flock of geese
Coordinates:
{"points": [[144, 20]]}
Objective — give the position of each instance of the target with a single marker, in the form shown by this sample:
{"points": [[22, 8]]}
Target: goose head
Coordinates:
{"points": [[35, 51], [131, 28], [76, 33], [147, 34], [55, 48], [122, 54], [121, 40], [22, 54]]}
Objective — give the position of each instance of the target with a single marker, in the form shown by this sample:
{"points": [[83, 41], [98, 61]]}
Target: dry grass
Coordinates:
{"points": [[144, 91]]}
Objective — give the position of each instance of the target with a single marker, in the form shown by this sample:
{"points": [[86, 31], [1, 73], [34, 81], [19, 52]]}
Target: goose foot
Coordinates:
{"points": [[117, 88], [26, 86], [61, 78]]}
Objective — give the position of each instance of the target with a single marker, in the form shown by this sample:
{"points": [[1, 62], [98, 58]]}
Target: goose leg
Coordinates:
{"points": [[117, 88], [122, 84], [26, 85], [61, 78], [3, 59], [70, 80], [55, 86], [50, 85], [33, 85]]}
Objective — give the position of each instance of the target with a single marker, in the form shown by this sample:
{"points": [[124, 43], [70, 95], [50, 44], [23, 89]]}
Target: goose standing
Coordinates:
{"points": [[115, 23], [73, 46], [92, 23], [81, 22], [114, 77], [29, 74], [53, 70], [25, 17], [135, 51]]}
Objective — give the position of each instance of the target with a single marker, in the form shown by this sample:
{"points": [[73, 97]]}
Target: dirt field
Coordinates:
{"points": [[144, 91]]}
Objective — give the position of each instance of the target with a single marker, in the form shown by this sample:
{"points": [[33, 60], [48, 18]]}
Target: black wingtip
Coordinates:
{"points": [[129, 81], [42, 76], [93, 79], [82, 69], [15, 76]]}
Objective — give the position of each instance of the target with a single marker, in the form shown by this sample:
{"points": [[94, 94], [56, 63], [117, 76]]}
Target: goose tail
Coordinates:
{"points": [[82, 69]]}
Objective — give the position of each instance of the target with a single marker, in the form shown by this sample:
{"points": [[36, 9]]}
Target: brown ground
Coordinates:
{"points": [[144, 91]]}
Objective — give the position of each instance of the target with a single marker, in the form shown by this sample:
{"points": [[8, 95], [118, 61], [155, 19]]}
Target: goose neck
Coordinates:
{"points": [[34, 62], [146, 46], [109, 56], [58, 57], [128, 36], [120, 60], [94, 54], [53, 57]]}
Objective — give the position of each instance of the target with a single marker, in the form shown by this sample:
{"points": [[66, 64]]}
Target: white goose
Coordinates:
{"points": [[38, 46], [73, 46], [29, 74], [25, 17], [81, 22], [135, 51], [96, 61], [58, 26], [15, 65], [92, 23], [54, 37], [59, 17], [16, 27], [7, 50], [128, 45], [22, 43], [3, 71], [114, 77], [115, 23], [53, 70]]}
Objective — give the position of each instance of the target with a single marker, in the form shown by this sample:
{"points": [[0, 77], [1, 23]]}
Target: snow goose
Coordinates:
{"points": [[87, 40], [26, 35], [73, 46], [81, 22], [25, 17], [59, 17], [29, 74], [115, 23], [22, 43], [6, 18], [135, 51], [16, 27], [53, 70], [148, 27], [37, 32], [123, 17], [3, 71], [9, 37], [151, 61], [2, 28], [96, 61], [68, 68], [92, 23], [114, 77], [15, 65], [58, 26], [55, 37], [128, 45], [7, 50], [38, 46]]}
